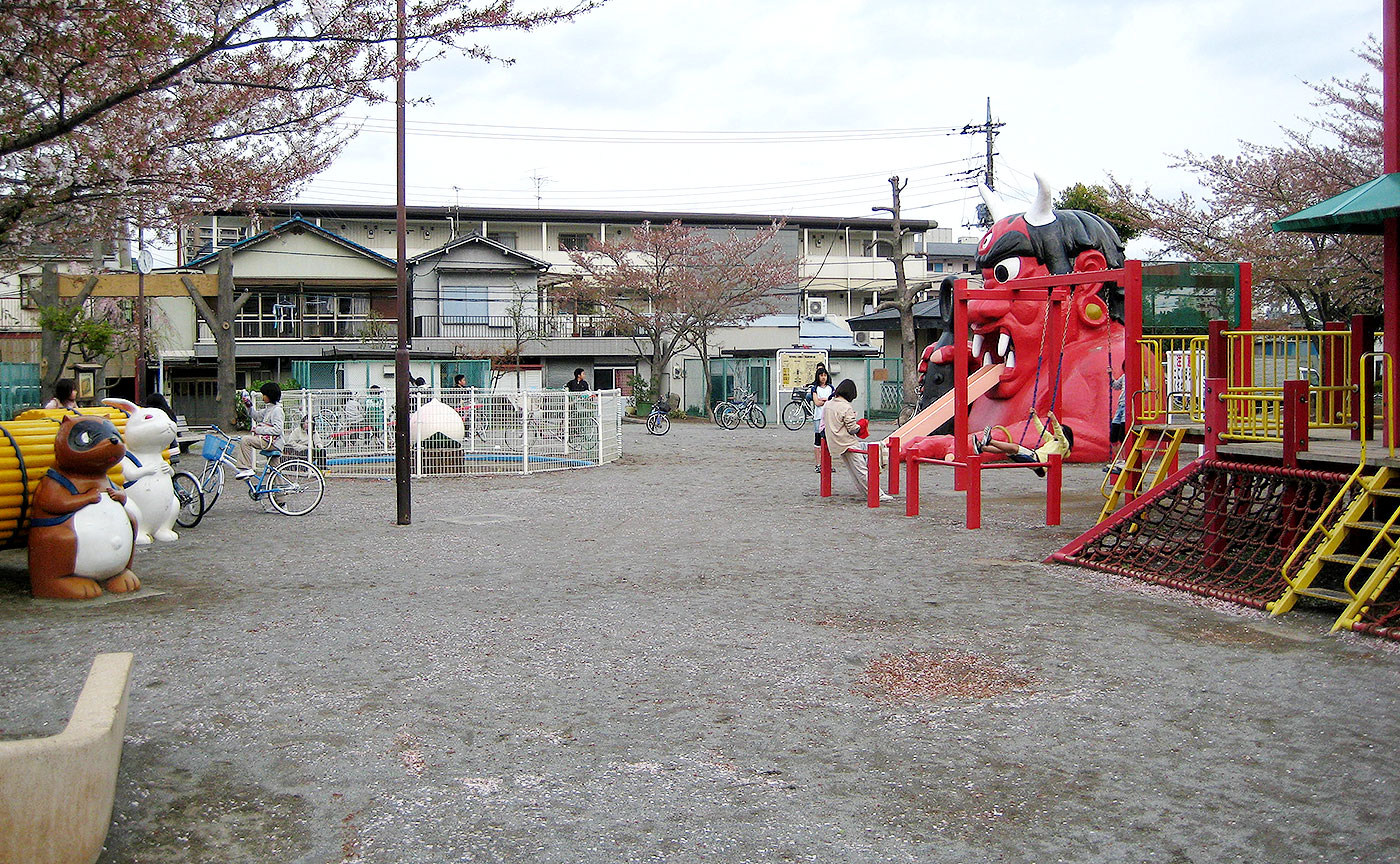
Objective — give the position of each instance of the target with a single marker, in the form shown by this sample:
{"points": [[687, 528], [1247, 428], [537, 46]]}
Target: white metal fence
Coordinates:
{"points": [[455, 432]]}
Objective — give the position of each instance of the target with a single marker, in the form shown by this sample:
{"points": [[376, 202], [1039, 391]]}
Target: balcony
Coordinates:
{"points": [[504, 327]]}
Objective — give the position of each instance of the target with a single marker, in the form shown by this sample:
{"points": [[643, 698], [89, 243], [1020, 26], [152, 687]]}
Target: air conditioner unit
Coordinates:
{"points": [[862, 338], [816, 307]]}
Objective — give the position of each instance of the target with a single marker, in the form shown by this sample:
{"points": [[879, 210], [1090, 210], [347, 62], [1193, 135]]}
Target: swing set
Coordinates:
{"points": [[1057, 292]]}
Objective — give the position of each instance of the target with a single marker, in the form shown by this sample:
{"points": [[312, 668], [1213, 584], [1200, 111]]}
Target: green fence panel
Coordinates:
{"points": [[20, 388]]}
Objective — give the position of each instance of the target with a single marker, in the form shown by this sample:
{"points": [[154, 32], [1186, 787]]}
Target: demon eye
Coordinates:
{"points": [[1007, 269]]}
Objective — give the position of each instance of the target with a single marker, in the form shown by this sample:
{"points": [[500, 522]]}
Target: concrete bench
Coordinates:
{"points": [[56, 793]]}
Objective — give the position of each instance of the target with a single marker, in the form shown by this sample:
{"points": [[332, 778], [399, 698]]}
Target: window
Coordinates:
{"points": [[569, 242], [505, 238], [461, 304]]}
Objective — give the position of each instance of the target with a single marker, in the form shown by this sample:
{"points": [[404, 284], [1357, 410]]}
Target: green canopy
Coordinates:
{"points": [[1355, 211]]}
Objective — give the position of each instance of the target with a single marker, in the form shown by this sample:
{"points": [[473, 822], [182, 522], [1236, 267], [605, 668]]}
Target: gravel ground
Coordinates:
{"points": [[690, 656]]}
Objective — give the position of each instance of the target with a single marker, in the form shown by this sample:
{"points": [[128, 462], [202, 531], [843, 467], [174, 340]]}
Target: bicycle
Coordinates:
{"points": [[747, 410], [191, 499], [293, 486], [801, 410], [659, 420]]}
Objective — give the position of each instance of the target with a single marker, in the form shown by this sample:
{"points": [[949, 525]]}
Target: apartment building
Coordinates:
{"points": [[321, 304]]}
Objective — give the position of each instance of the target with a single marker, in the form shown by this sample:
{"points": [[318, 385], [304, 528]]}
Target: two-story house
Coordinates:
{"points": [[482, 285]]}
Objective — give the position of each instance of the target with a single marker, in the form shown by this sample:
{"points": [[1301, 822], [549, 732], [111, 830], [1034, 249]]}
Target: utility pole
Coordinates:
{"points": [[989, 129], [904, 294]]}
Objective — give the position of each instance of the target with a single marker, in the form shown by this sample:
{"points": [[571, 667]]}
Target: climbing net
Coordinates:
{"points": [[1222, 530], [1382, 617]]}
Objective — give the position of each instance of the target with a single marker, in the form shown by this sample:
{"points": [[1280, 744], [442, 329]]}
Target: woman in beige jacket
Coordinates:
{"points": [[842, 425]]}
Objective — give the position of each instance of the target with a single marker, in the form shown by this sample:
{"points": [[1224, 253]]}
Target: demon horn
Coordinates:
{"points": [[995, 206], [1040, 212]]}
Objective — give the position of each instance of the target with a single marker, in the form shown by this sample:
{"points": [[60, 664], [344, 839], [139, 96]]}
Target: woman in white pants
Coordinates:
{"points": [[842, 428]]}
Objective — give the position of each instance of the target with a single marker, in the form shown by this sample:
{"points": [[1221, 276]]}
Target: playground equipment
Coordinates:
{"points": [[26, 452], [82, 533]]}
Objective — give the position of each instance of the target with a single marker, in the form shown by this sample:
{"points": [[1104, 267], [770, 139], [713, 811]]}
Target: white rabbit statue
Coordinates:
{"points": [[145, 473]]}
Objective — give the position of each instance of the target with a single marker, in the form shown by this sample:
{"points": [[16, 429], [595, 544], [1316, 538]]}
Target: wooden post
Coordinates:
{"points": [[221, 321]]}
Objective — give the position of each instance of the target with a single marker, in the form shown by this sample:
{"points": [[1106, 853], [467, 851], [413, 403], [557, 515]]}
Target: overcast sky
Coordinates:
{"points": [[704, 105]]}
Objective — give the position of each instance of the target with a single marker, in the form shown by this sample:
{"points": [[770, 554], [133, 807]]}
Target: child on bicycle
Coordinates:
{"points": [[267, 429]]}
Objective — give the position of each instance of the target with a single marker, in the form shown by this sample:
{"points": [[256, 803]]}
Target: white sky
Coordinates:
{"points": [[1085, 88]]}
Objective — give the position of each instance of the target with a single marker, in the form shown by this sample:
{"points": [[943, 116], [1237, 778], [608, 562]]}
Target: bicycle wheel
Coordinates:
{"points": [[211, 484], [906, 414], [794, 415], [294, 487], [728, 417], [757, 419], [718, 412], [658, 424], [190, 498]]}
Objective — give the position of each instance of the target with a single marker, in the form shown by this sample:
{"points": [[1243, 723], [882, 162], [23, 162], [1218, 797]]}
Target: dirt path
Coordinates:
{"points": [[689, 656]]}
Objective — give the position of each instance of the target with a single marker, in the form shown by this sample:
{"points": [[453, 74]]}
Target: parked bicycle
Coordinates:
{"points": [[659, 420], [293, 486], [729, 414], [800, 410]]}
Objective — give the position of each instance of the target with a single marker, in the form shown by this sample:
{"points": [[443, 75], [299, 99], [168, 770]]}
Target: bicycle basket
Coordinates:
{"points": [[214, 447], [799, 394]]}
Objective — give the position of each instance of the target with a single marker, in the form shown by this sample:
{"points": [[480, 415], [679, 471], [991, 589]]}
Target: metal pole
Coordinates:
{"points": [[140, 394], [402, 473]]}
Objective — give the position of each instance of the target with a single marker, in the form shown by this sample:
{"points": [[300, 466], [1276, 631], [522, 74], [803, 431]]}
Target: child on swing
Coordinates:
{"points": [[1054, 439]]}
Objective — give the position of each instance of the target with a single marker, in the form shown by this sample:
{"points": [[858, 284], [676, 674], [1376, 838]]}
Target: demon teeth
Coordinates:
{"points": [[1011, 360], [976, 344], [1003, 343]]}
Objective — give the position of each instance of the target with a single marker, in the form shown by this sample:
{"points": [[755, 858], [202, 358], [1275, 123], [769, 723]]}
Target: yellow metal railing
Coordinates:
{"points": [[1260, 361], [1174, 368], [1387, 413]]}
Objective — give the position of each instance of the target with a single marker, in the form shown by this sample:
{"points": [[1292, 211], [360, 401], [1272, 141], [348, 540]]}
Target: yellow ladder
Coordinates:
{"points": [[1370, 519], [1147, 463]]}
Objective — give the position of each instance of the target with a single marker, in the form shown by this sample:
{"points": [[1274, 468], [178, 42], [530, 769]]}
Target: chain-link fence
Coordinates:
{"points": [[454, 432]]}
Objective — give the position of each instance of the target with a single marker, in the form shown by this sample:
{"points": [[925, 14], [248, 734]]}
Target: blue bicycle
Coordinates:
{"points": [[292, 486]]}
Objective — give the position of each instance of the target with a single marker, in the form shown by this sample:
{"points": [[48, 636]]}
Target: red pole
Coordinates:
{"points": [[1216, 365], [1134, 378], [911, 487], [1333, 375], [1052, 489], [895, 456], [1390, 149], [1360, 379], [1216, 421], [974, 491], [872, 475], [826, 471], [960, 364], [1295, 421], [1246, 296]]}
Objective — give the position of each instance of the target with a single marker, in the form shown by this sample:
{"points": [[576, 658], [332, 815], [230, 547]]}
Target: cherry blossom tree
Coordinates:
{"points": [[1315, 277], [161, 109], [674, 285]]}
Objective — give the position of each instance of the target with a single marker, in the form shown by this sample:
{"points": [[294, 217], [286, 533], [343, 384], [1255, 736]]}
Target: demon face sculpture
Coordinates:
{"points": [[1088, 357]]}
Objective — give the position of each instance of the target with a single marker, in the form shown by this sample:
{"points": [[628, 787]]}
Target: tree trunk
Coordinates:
{"points": [[221, 321]]}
